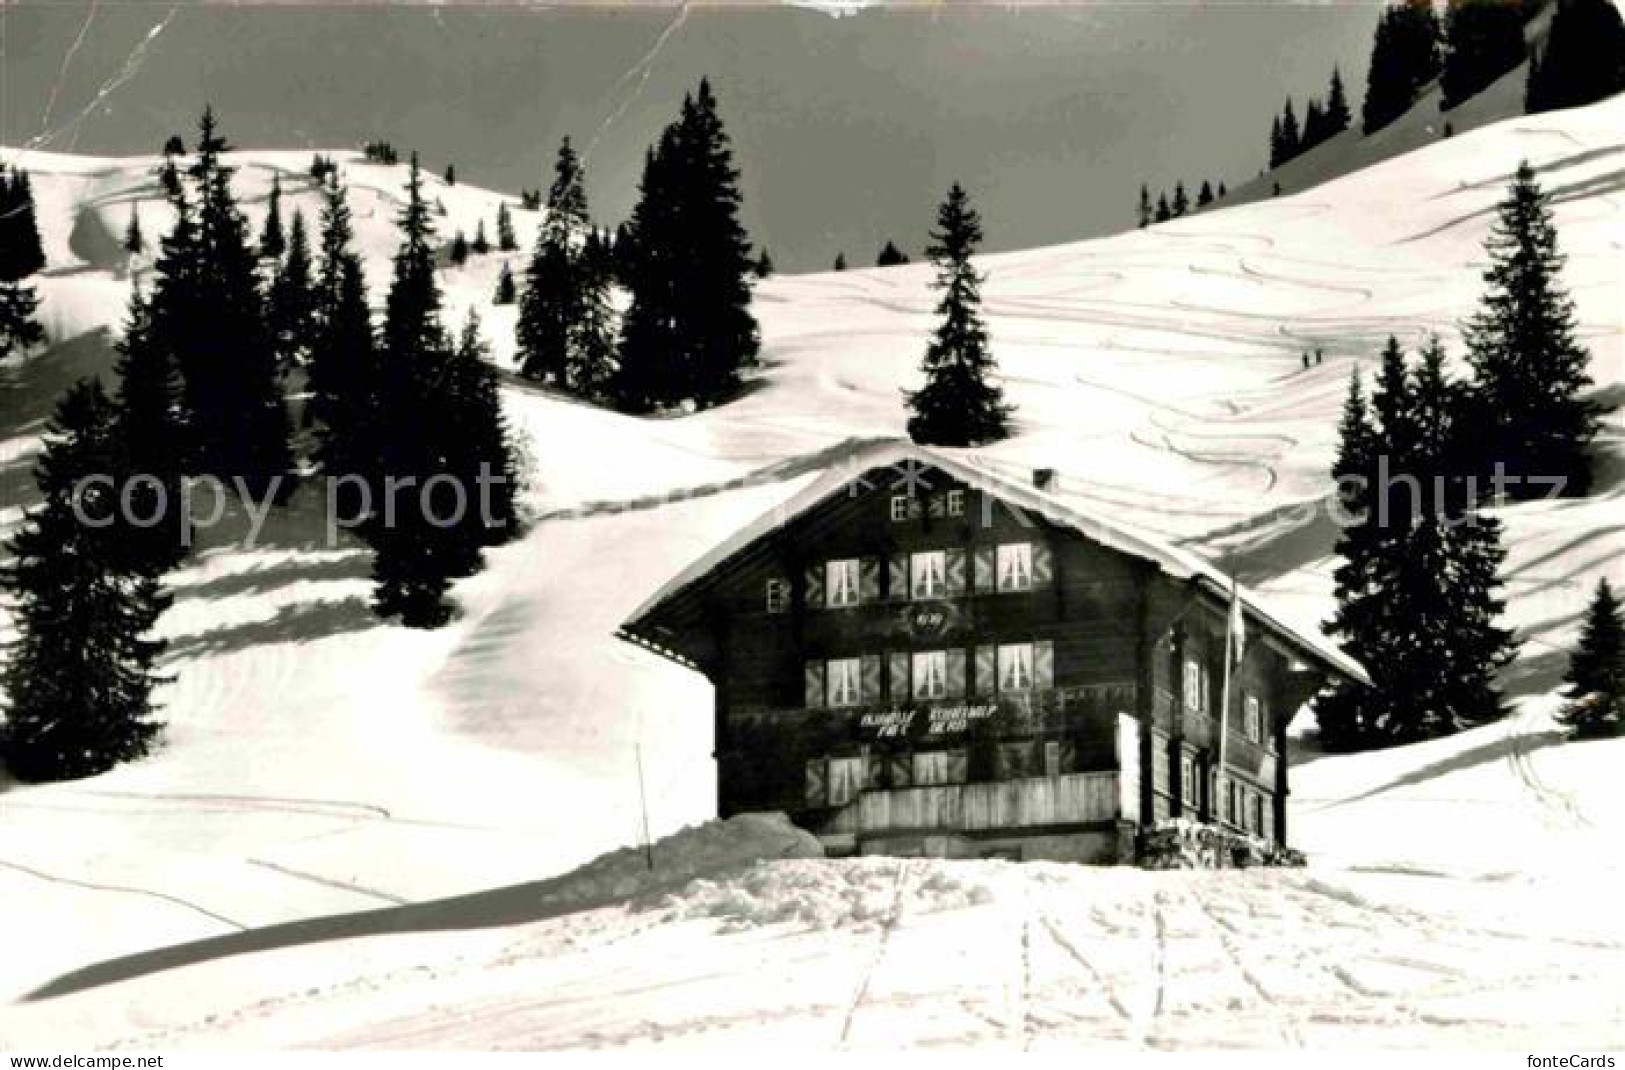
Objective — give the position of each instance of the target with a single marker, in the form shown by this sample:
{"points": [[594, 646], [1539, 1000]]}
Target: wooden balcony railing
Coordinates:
{"points": [[1069, 799]]}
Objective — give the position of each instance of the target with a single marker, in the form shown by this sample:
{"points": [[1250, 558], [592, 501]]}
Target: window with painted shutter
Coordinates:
{"points": [[897, 578], [956, 571], [958, 766], [845, 681], [1015, 667], [956, 674], [928, 575], [869, 680], [900, 771], [1043, 565], [841, 578], [777, 595], [845, 779], [817, 793], [1014, 563], [869, 579], [931, 767], [984, 678], [815, 684], [928, 673], [815, 586], [897, 677], [1044, 665], [982, 568]]}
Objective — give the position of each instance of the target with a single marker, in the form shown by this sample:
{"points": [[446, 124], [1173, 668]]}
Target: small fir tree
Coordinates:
{"points": [[1594, 692], [272, 242], [957, 406]]}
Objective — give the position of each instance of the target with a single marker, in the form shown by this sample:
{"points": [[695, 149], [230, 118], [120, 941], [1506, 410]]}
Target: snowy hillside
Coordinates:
{"points": [[319, 763]]}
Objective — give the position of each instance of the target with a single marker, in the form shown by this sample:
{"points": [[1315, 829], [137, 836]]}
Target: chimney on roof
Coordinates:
{"points": [[1044, 478]]}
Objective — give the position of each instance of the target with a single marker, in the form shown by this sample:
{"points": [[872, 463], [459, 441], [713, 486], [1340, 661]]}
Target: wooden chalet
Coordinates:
{"points": [[917, 655]]}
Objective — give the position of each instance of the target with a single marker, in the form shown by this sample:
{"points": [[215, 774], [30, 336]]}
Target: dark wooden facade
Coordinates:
{"points": [[889, 676]]}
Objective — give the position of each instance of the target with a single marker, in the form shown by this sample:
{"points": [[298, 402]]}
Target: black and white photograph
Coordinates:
{"points": [[801, 526]]}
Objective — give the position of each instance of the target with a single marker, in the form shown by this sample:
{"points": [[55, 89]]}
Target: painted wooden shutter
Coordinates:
{"points": [[900, 770], [815, 586], [869, 680], [818, 782], [956, 673], [869, 579], [897, 578], [898, 677], [958, 766], [982, 568], [1043, 566], [871, 769], [1044, 665], [987, 669], [956, 570], [815, 684]]}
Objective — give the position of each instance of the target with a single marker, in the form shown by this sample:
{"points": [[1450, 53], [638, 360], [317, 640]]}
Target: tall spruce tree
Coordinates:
{"points": [[291, 306], [150, 433], [1164, 213], [1204, 196], [594, 331], [1142, 211], [80, 675], [1594, 691], [1530, 371], [272, 241], [957, 406], [343, 376], [552, 296], [689, 332], [1336, 114], [439, 427], [1406, 56], [208, 310], [21, 253], [890, 255], [1483, 40], [1182, 201], [1417, 587], [1584, 61]]}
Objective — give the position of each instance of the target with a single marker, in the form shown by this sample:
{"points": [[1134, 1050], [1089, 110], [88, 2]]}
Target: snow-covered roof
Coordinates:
{"points": [[965, 467]]}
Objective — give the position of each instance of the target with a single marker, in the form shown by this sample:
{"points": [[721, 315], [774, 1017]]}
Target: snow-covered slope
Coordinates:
{"points": [[319, 763]]}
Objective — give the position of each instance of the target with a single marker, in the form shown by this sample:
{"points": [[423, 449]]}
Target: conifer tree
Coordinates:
{"points": [[291, 307], [272, 242], [21, 253], [594, 329], [840, 262], [1336, 114], [1204, 196], [1290, 135], [1182, 202], [135, 243], [552, 296], [506, 241], [1417, 587], [1143, 209], [1164, 213], [481, 244], [1584, 61], [1222, 191], [209, 313], [764, 265], [890, 255], [459, 250], [19, 329], [150, 435], [1406, 56], [451, 174], [1314, 126], [1484, 40], [343, 377], [689, 332], [80, 675], [506, 293], [1594, 694], [1530, 371], [957, 406], [480, 452]]}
